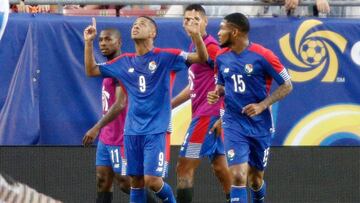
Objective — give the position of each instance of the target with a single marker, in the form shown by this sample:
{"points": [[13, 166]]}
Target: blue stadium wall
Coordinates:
{"points": [[45, 98]]}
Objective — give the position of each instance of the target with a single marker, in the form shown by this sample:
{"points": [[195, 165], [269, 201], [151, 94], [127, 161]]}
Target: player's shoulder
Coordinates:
{"points": [[171, 51], [261, 51], [222, 52], [122, 56]]}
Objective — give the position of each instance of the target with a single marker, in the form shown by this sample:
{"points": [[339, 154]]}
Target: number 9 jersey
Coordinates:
{"points": [[147, 81]]}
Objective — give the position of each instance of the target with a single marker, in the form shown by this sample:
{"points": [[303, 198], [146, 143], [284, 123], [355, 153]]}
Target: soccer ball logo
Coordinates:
{"points": [[312, 51]]}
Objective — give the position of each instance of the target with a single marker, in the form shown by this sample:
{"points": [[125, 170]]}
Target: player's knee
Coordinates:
{"points": [[137, 181], [124, 183], [103, 182], [153, 182], [184, 169], [254, 181], [239, 177]]}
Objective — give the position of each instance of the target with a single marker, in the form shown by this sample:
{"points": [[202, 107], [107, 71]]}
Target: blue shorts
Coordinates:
{"points": [[112, 156], [241, 149], [147, 154], [199, 142]]}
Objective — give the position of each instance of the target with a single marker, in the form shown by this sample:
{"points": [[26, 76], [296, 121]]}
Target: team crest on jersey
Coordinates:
{"points": [[249, 68], [131, 70], [152, 66], [231, 154], [226, 70]]}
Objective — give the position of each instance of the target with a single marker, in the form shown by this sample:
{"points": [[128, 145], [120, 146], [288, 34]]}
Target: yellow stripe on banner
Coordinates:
{"points": [[181, 118], [318, 125]]}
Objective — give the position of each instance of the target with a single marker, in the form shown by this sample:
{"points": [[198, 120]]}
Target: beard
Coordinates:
{"points": [[227, 43]]}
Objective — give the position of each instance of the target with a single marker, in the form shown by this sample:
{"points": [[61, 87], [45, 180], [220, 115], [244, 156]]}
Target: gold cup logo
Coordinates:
{"points": [[312, 52]]}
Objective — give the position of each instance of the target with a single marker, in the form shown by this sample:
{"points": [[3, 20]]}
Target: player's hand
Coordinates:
{"points": [[90, 136], [216, 128], [291, 4], [323, 6], [253, 109], [90, 31], [213, 97], [192, 25]]}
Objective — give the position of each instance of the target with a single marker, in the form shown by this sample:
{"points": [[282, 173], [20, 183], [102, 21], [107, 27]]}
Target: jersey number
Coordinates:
{"points": [[142, 83], [239, 84], [161, 159]]}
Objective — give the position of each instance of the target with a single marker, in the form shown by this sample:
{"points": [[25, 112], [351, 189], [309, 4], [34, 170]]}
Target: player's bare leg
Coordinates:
{"points": [[257, 185], [123, 182], [239, 173], [222, 173], [185, 170], [161, 189], [104, 180]]}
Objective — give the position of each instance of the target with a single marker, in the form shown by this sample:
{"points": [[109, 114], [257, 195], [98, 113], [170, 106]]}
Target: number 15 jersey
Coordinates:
{"points": [[247, 78], [147, 81]]}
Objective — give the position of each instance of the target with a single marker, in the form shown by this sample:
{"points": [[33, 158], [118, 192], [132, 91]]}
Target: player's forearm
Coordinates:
{"points": [[91, 69], [182, 97], [278, 94], [201, 51], [113, 112]]}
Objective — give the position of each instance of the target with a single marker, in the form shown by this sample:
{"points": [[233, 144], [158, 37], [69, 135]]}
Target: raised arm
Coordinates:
{"points": [[91, 68], [193, 27], [182, 97], [114, 111]]}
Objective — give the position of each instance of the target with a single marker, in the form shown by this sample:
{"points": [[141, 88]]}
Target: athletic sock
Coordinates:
{"points": [[104, 197], [184, 195], [137, 195], [228, 198], [238, 194], [258, 196], [166, 194]]}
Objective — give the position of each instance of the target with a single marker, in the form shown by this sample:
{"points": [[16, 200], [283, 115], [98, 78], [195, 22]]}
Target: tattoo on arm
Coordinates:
{"points": [[278, 94]]}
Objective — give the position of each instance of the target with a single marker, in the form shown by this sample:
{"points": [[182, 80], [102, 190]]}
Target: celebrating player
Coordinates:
{"points": [[200, 140], [245, 73], [145, 75]]}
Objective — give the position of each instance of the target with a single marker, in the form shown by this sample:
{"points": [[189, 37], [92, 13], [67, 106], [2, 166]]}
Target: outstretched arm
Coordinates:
{"points": [[193, 27], [113, 112], [182, 97], [91, 68], [256, 108]]}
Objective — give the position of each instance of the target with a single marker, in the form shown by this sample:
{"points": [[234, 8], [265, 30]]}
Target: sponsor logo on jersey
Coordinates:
{"points": [[226, 70], [131, 70]]}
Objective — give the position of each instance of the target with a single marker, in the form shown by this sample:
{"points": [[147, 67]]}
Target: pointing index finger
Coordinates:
{"points": [[94, 22]]}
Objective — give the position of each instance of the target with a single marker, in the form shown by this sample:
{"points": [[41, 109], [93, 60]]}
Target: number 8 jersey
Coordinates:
{"points": [[247, 78], [147, 81]]}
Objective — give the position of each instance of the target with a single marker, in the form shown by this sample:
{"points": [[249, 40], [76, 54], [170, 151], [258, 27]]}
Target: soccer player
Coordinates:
{"points": [[200, 140], [245, 73], [110, 159], [145, 76]]}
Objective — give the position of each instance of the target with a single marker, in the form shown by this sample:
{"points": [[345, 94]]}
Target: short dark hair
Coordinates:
{"points": [[239, 20], [114, 32], [152, 21], [196, 7]]}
